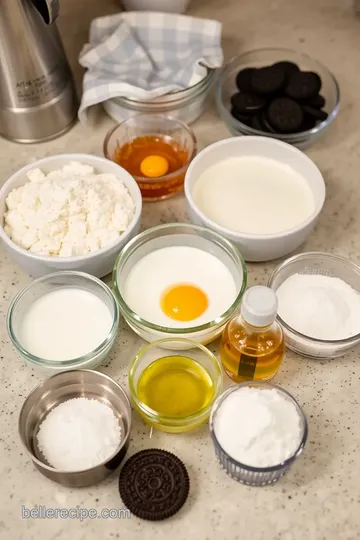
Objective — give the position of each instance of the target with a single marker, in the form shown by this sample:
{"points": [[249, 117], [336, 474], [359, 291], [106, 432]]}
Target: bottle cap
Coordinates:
{"points": [[259, 306]]}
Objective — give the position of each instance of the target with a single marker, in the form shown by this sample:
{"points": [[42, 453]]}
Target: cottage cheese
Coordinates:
{"points": [[69, 211]]}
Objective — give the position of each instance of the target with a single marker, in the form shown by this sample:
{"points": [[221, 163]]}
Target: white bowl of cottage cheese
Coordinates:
{"points": [[69, 212]]}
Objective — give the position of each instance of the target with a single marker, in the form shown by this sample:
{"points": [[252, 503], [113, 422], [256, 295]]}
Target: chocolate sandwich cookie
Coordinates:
{"points": [[303, 85], [244, 79], [154, 484], [268, 80], [318, 114], [309, 122], [285, 115], [256, 123], [241, 117], [245, 103], [317, 101], [267, 127], [288, 67]]}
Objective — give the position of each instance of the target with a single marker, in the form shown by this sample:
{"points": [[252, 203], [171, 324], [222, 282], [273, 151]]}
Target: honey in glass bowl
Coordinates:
{"points": [[155, 150]]}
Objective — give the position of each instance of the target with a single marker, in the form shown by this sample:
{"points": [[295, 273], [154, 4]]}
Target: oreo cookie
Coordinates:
{"points": [[303, 85], [285, 115], [288, 67], [154, 484], [241, 117], [244, 79], [317, 101], [268, 80], [318, 114], [256, 122], [278, 99], [245, 103], [309, 122], [267, 127]]}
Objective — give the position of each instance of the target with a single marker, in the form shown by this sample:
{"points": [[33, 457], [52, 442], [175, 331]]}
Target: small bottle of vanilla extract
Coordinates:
{"points": [[252, 343]]}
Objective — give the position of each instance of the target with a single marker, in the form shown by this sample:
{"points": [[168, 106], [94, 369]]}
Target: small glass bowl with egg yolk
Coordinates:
{"points": [[174, 391], [156, 150], [179, 280]]}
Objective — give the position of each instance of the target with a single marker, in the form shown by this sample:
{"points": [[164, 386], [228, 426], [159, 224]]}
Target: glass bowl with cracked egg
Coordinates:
{"points": [[69, 212], [317, 264], [179, 280], [156, 150]]}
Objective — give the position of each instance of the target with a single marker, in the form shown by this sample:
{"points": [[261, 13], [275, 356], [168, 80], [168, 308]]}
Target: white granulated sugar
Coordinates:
{"points": [[68, 212], [259, 428], [79, 434], [319, 306]]}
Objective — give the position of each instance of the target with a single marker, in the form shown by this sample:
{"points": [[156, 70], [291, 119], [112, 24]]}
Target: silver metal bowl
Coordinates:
{"points": [[59, 388]]}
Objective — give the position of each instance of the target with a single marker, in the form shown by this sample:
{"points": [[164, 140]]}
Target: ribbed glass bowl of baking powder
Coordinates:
{"points": [[246, 474], [316, 263]]}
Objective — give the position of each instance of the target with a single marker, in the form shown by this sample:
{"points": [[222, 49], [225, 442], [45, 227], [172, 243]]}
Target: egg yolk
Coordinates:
{"points": [[184, 302], [154, 166]]}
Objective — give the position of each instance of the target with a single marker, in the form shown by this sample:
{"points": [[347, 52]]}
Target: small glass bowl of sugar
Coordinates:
{"points": [[318, 304], [258, 430]]}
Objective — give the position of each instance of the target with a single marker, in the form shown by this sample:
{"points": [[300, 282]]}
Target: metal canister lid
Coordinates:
{"points": [[49, 9]]}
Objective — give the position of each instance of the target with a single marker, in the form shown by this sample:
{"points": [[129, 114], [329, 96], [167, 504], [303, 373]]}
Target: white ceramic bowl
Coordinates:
{"points": [[257, 247], [98, 263]]}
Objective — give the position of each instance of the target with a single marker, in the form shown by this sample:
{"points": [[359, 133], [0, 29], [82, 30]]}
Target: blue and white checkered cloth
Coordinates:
{"points": [[144, 55]]}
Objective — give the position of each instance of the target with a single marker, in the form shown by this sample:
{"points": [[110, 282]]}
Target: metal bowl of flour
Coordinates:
{"points": [[62, 387], [325, 264]]}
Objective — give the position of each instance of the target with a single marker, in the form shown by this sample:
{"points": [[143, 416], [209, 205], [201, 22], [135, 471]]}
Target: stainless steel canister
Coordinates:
{"points": [[37, 93]]}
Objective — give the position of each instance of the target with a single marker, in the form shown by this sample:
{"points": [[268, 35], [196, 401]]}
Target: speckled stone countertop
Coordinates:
{"points": [[320, 497]]}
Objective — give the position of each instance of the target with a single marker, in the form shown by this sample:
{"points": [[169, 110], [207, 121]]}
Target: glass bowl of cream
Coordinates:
{"points": [[64, 320], [179, 280]]}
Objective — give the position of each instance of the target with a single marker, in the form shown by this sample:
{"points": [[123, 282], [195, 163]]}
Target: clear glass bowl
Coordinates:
{"points": [[153, 189], [226, 87], [324, 264], [179, 234], [159, 349], [186, 105], [51, 282], [255, 476]]}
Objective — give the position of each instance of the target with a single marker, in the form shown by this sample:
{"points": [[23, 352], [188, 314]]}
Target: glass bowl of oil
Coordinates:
{"points": [[156, 150], [174, 390]]}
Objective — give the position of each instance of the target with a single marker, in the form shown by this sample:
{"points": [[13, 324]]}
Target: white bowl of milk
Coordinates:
{"points": [[261, 194]]}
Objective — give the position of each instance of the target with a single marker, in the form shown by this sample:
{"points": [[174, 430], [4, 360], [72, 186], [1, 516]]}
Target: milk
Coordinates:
{"points": [[254, 195], [65, 324]]}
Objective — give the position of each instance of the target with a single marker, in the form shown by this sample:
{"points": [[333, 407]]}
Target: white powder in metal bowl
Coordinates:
{"points": [[79, 434], [258, 427]]}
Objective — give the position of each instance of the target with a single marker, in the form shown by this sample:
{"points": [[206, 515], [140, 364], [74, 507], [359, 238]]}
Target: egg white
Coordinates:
{"points": [[169, 266]]}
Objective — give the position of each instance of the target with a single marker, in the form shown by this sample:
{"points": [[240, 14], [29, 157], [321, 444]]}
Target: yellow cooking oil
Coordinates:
{"points": [[175, 386]]}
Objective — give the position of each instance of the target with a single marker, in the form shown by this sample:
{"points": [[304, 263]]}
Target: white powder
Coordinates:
{"points": [[319, 306], [79, 434], [68, 212], [259, 428]]}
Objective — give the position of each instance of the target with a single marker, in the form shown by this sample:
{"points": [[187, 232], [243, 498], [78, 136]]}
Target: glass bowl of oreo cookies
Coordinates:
{"points": [[277, 93]]}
